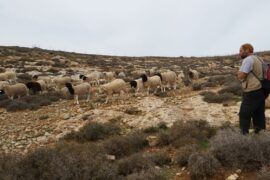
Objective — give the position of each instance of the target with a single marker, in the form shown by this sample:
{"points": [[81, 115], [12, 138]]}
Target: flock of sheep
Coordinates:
{"points": [[95, 82]]}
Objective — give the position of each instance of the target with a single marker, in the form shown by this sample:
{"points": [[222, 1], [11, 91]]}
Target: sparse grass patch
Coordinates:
{"points": [[150, 174], [133, 111], [43, 117], [234, 88]]}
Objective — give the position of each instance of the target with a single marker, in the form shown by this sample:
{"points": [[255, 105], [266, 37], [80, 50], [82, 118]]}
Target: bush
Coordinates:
{"points": [[263, 174], [183, 153], [66, 161], [134, 163], [196, 86], [184, 133], [160, 158], [151, 129], [150, 174], [93, 131], [163, 139], [202, 165], [233, 149], [234, 88], [212, 97], [125, 145]]}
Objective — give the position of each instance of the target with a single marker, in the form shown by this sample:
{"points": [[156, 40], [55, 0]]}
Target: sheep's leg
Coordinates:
{"points": [[148, 89], [76, 98], [107, 99], [174, 86], [88, 97]]}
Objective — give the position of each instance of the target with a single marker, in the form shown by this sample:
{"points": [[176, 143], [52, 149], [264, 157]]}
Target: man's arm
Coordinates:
{"points": [[241, 75]]}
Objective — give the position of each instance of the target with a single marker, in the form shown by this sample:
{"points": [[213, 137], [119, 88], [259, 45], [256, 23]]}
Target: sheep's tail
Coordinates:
{"points": [[70, 88]]}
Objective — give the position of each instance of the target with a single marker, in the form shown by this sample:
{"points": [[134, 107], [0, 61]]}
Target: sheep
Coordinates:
{"points": [[168, 78], [18, 89], [3, 77], [2, 84], [121, 75], [181, 78], [116, 86], [34, 87], [11, 76], [47, 79], [137, 73], [61, 82], [43, 85], [153, 71], [109, 76], [193, 74], [137, 84], [79, 90], [151, 82], [94, 76]]}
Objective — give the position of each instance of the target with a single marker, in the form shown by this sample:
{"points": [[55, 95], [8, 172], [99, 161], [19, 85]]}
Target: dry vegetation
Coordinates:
{"points": [[116, 148]]}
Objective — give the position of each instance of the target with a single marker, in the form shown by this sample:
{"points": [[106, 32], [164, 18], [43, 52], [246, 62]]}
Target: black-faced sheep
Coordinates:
{"points": [[168, 78], [151, 82], [137, 85], [79, 90]]}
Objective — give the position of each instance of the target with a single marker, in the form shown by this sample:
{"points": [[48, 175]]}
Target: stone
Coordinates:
{"points": [[232, 177], [110, 157], [238, 171], [66, 116]]}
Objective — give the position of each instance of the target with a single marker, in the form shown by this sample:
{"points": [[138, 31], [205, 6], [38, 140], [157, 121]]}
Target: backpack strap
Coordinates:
{"points": [[262, 69]]}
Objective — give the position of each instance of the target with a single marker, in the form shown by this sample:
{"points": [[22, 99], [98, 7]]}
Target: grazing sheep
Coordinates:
{"points": [[193, 74], [2, 84], [168, 78], [47, 79], [3, 77], [109, 76], [94, 76], [18, 89], [181, 78], [79, 90], [151, 82], [43, 85], [153, 71], [34, 87], [60, 82], [11, 76], [121, 75], [116, 86], [137, 73], [137, 84]]}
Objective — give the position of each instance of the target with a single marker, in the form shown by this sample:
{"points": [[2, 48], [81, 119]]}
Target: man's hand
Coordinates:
{"points": [[241, 75]]}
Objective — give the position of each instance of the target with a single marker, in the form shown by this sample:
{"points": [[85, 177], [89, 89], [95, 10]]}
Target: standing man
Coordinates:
{"points": [[253, 102]]}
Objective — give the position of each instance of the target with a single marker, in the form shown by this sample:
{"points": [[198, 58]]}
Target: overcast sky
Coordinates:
{"points": [[137, 27]]}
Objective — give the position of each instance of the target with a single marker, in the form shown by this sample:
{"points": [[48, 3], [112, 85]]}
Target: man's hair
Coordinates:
{"points": [[248, 47]]}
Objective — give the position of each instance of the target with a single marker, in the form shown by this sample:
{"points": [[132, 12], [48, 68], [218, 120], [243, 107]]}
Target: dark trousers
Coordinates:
{"points": [[252, 107]]}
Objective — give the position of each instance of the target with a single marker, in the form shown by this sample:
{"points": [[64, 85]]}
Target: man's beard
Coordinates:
{"points": [[244, 56]]}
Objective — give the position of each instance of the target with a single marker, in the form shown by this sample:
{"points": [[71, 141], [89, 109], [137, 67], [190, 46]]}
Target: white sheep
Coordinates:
{"points": [[116, 86], [2, 84], [18, 89], [79, 90], [3, 77], [137, 73], [193, 74], [168, 78], [137, 84], [94, 76], [43, 85], [180, 78], [47, 79], [11, 76], [109, 76], [151, 82], [121, 75], [60, 82]]}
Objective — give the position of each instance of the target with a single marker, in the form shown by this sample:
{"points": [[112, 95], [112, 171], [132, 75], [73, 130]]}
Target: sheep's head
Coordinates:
{"points": [[144, 77], [133, 84]]}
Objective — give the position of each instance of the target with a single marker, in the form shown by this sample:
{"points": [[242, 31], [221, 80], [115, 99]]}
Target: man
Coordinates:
{"points": [[253, 102]]}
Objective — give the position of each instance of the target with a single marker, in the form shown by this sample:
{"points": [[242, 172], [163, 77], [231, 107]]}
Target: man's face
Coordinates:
{"points": [[243, 53]]}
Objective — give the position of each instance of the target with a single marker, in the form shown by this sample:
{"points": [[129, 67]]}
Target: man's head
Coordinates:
{"points": [[245, 50]]}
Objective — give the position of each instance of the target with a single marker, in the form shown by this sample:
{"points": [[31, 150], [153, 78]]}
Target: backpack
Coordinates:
{"points": [[265, 81]]}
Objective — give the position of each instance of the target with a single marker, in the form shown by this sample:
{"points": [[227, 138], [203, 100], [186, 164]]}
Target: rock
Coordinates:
{"points": [[110, 157], [66, 116], [232, 177], [183, 168], [238, 171], [178, 174], [42, 139]]}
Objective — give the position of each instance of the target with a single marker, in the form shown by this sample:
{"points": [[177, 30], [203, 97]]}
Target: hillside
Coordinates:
{"points": [[42, 121]]}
